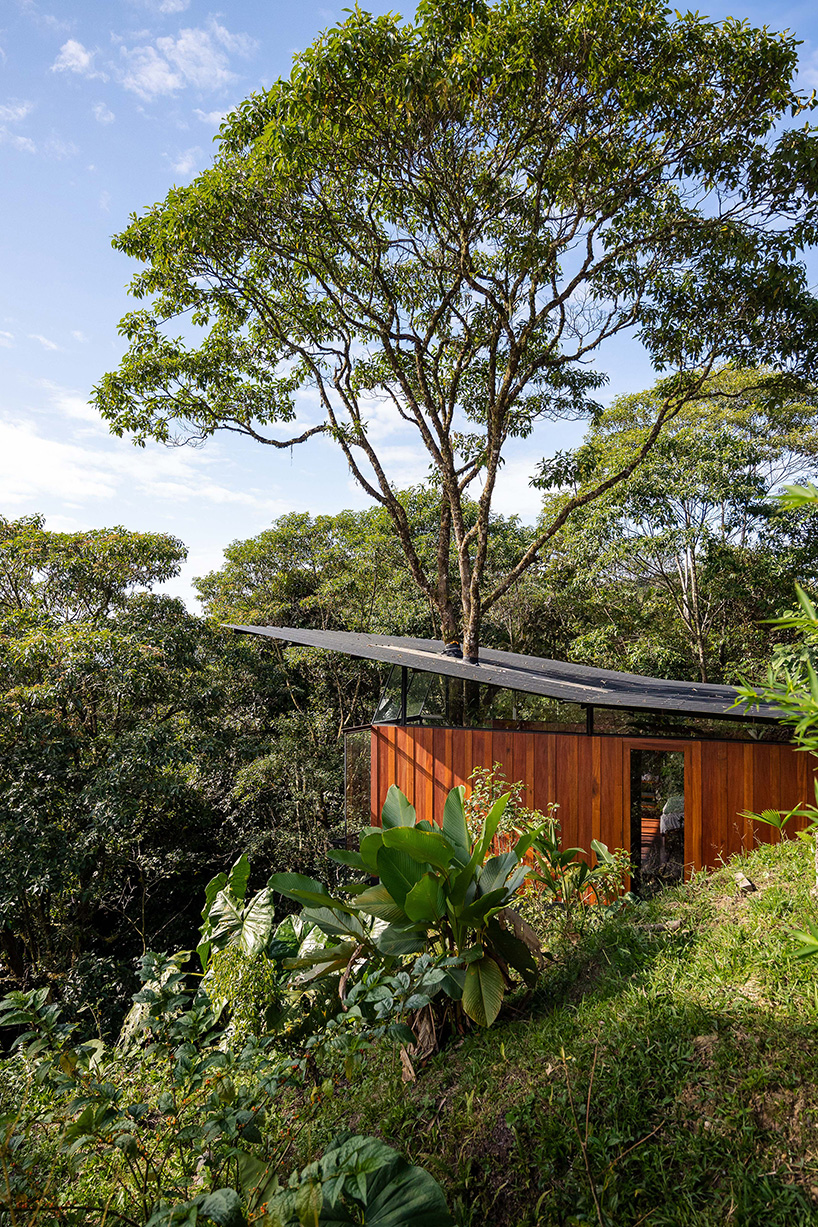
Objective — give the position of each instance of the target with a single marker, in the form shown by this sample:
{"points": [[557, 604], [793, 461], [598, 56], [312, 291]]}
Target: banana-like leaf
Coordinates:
{"points": [[603, 856], [426, 900], [306, 891], [496, 871], [335, 923], [425, 847], [377, 901], [398, 872], [336, 956], [454, 823], [346, 856], [395, 940], [476, 913], [397, 812], [370, 846], [483, 991], [492, 822]]}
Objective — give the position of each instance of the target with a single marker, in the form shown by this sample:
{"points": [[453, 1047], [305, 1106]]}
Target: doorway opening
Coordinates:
{"points": [[657, 819]]}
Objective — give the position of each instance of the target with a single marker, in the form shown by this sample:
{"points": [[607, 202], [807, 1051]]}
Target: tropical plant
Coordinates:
{"points": [[176, 1132], [570, 882], [439, 891]]}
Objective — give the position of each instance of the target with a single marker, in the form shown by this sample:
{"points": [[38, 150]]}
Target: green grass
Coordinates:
{"points": [[693, 1052]]}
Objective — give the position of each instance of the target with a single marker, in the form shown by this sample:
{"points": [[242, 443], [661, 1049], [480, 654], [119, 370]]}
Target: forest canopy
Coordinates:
{"points": [[450, 217]]}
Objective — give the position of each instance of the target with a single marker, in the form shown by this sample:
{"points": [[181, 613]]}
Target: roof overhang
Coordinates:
{"points": [[553, 679]]}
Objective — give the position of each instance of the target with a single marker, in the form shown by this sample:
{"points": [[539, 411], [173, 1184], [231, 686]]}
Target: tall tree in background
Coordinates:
{"points": [[691, 545], [451, 217]]}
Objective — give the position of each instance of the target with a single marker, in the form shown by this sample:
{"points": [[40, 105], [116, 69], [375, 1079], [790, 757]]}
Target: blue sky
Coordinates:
{"points": [[103, 107]]}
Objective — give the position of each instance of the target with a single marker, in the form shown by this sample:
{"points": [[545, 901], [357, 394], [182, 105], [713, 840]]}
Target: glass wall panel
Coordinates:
{"points": [[657, 818], [357, 778]]}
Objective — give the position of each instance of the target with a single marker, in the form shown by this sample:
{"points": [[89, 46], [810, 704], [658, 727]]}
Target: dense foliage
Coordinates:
{"points": [[444, 220]]}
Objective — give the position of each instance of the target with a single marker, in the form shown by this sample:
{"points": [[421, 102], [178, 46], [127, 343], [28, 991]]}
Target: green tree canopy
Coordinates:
{"points": [[450, 217]]}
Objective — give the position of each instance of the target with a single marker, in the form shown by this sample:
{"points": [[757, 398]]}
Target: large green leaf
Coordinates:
{"points": [[513, 951], [425, 847], [246, 927], [371, 845], [334, 923], [495, 871], [347, 856], [426, 900], [483, 991], [395, 940], [304, 890], [454, 823], [377, 901], [491, 823], [398, 872], [223, 1207], [238, 878], [285, 883], [397, 811], [474, 914], [397, 1195]]}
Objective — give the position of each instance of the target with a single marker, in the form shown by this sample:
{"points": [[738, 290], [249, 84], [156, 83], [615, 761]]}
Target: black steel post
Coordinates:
{"points": [[589, 720], [404, 689]]}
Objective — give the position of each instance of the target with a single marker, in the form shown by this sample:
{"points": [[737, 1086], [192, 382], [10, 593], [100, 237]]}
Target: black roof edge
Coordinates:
{"points": [[560, 680]]}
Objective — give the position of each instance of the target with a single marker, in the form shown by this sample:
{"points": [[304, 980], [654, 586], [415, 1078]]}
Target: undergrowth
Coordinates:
{"points": [[662, 1075]]}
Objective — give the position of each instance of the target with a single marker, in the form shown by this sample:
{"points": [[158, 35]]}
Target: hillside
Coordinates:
{"points": [[689, 1049]]}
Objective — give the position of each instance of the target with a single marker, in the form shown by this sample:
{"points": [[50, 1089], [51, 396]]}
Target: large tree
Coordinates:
{"points": [[452, 216], [690, 545]]}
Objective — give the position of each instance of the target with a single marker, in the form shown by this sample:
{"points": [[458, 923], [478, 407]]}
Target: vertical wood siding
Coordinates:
{"points": [[589, 778]]}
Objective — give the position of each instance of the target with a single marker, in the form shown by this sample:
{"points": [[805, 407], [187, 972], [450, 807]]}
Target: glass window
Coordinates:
{"points": [[657, 818]]}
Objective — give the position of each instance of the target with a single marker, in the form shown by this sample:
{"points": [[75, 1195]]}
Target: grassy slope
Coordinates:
{"points": [[704, 1103]]}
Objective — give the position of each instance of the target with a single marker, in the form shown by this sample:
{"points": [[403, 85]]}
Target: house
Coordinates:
{"points": [[665, 769]]}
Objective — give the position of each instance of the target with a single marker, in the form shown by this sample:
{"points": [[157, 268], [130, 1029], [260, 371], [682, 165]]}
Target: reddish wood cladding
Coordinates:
{"points": [[589, 779]]}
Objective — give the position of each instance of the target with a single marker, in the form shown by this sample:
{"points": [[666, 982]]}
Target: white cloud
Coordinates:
{"points": [[102, 114], [197, 57], [6, 340], [44, 341], [167, 6], [37, 469], [186, 161], [80, 336], [23, 143], [148, 74], [74, 57], [13, 112], [56, 147], [210, 117], [105, 202], [71, 404]]}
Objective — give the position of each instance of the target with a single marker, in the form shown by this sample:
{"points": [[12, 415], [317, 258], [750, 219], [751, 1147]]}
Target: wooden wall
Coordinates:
{"points": [[589, 777]]}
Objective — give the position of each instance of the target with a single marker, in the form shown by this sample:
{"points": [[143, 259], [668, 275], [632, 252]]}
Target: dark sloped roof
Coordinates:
{"points": [[531, 674]]}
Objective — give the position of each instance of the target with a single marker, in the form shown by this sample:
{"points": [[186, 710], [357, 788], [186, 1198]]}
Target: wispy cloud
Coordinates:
{"points": [[102, 114], [214, 118], [74, 57], [44, 341], [36, 468], [197, 57], [80, 336], [167, 6], [14, 112], [6, 340], [186, 161]]}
